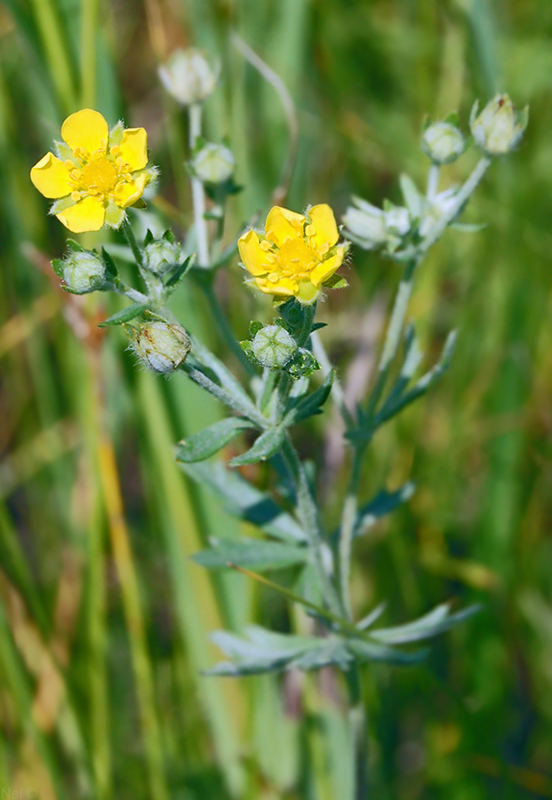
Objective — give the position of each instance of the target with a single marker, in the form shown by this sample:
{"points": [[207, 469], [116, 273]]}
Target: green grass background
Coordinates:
{"points": [[104, 621]]}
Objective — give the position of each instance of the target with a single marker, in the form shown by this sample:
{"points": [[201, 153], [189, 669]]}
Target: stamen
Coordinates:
{"points": [[310, 230], [75, 196]]}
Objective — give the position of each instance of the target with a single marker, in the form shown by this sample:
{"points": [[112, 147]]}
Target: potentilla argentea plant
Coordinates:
{"points": [[95, 175]]}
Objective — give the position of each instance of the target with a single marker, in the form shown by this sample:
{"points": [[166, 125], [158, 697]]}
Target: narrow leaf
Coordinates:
{"points": [[209, 441], [383, 503], [128, 313], [263, 556], [437, 621], [312, 403], [110, 266], [245, 501], [265, 447]]}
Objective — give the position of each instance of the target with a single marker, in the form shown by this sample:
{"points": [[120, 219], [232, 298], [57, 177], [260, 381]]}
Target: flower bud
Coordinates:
{"points": [[366, 223], [161, 346], [160, 255], [83, 272], [443, 142], [397, 221], [499, 127], [214, 163], [188, 76], [273, 346]]}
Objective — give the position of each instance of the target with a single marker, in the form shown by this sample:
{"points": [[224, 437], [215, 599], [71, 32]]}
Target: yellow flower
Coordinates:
{"points": [[296, 255], [96, 173]]}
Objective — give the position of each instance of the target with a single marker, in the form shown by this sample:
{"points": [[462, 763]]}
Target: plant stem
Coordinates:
{"points": [[432, 182], [309, 517], [198, 195], [359, 738]]}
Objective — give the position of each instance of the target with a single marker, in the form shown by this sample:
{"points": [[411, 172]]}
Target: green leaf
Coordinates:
{"points": [[209, 441], [366, 651], [383, 503], [263, 556], [245, 501], [336, 282], [57, 266], [412, 196], [128, 313], [110, 266], [393, 405], [75, 247], [437, 621], [263, 651], [181, 271], [453, 118], [312, 403], [467, 227], [254, 327], [148, 237], [265, 447]]}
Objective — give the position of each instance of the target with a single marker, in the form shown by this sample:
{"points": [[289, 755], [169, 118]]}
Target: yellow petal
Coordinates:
{"points": [[51, 177], [282, 288], [130, 192], [134, 148], [324, 223], [86, 129], [86, 215], [252, 254], [307, 293], [326, 268], [282, 224]]}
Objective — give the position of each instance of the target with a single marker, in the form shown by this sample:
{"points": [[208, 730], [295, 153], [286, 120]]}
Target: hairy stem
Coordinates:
{"points": [[198, 195], [309, 517]]}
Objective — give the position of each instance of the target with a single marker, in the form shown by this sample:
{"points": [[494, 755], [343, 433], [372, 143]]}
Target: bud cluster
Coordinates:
{"points": [[496, 131]]}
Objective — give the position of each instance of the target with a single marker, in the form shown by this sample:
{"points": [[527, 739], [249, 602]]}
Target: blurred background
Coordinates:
{"points": [[104, 620]]}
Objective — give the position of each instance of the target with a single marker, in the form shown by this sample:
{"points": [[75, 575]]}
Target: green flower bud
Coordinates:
{"points": [[499, 127], [273, 347], [214, 163], [83, 272], [160, 255], [443, 143], [188, 77], [161, 346]]}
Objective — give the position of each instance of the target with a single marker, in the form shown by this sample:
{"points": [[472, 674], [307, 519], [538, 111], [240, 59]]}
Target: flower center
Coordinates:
{"points": [[296, 258], [100, 174]]}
